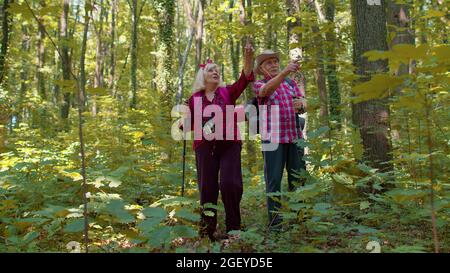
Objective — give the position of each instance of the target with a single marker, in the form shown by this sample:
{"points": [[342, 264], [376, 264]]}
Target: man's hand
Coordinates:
{"points": [[292, 67], [248, 57]]}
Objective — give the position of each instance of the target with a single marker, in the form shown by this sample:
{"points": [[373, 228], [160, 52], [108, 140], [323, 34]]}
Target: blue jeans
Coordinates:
{"points": [[288, 156]]}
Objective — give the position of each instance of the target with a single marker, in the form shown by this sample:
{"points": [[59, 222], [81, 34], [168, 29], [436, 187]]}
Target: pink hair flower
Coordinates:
{"points": [[202, 66]]}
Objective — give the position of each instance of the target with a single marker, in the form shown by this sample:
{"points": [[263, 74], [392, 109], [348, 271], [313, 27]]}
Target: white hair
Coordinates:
{"points": [[199, 83]]}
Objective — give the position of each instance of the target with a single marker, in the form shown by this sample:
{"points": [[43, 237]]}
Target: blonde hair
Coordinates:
{"points": [[199, 83]]}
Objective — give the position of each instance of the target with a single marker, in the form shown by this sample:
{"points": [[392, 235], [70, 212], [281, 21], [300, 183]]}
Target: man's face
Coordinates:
{"points": [[271, 67]]}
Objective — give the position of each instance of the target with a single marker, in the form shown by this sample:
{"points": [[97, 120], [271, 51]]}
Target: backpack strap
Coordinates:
{"points": [[290, 82]]}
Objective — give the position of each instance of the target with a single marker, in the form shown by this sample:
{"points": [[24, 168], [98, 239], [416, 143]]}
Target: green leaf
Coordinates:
{"points": [[171, 201], [75, 226], [376, 88], [433, 13], [322, 207], [100, 91], [343, 179], [211, 206], [442, 52], [208, 213], [159, 236], [67, 85], [185, 214], [113, 182], [49, 10], [357, 147], [364, 205], [30, 236], [159, 213], [406, 52], [366, 230], [16, 8], [149, 224], [401, 195], [116, 209], [375, 55], [119, 172], [409, 249], [318, 132], [184, 231]]}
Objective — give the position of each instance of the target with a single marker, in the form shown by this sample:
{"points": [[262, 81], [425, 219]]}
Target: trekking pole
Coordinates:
{"points": [[184, 161], [184, 164]]}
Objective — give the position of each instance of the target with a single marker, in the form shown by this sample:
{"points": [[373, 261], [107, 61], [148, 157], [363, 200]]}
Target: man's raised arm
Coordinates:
{"points": [[270, 87]]}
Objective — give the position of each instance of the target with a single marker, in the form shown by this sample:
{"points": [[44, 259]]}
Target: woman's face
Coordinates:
{"points": [[212, 75]]}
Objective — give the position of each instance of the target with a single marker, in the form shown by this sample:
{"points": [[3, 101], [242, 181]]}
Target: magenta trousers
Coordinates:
{"points": [[214, 159]]}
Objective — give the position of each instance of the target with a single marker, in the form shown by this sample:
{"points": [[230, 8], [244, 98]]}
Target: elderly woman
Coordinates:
{"points": [[219, 155]]}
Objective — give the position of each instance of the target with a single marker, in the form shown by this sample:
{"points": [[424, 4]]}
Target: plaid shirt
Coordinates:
{"points": [[285, 129]]}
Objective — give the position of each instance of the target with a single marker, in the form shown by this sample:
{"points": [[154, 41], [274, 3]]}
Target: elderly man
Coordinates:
{"points": [[277, 89]]}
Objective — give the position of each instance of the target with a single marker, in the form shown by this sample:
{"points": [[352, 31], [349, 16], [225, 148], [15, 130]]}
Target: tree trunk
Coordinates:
{"points": [[112, 52], [166, 24], [39, 116], [183, 58], [399, 24], [320, 68], [330, 69], [296, 53], [99, 63], [293, 8], [399, 21], [234, 58], [268, 36], [83, 57], [166, 32], [65, 58], [41, 59], [371, 116], [199, 33], [134, 41], [320, 78], [24, 73], [5, 38], [250, 148], [99, 57]]}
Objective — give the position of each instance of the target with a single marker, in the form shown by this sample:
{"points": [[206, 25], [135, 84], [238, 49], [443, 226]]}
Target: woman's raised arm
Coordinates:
{"points": [[247, 75]]}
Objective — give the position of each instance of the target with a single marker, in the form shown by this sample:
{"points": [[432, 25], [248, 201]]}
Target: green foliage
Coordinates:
{"points": [[134, 166]]}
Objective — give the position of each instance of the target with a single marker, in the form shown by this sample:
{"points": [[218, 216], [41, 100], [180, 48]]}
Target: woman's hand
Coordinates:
{"points": [[248, 58]]}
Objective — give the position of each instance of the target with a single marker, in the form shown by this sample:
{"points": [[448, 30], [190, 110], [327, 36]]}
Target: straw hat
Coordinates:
{"points": [[266, 54]]}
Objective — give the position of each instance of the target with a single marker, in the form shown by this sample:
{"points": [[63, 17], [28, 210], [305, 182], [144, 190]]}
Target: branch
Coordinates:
{"points": [[140, 11], [242, 12], [319, 11], [48, 35], [188, 10]]}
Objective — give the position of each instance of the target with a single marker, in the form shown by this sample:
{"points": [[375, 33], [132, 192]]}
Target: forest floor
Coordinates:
{"points": [[347, 228]]}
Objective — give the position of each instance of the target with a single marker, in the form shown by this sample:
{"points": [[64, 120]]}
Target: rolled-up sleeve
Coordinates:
{"points": [[257, 86]]}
